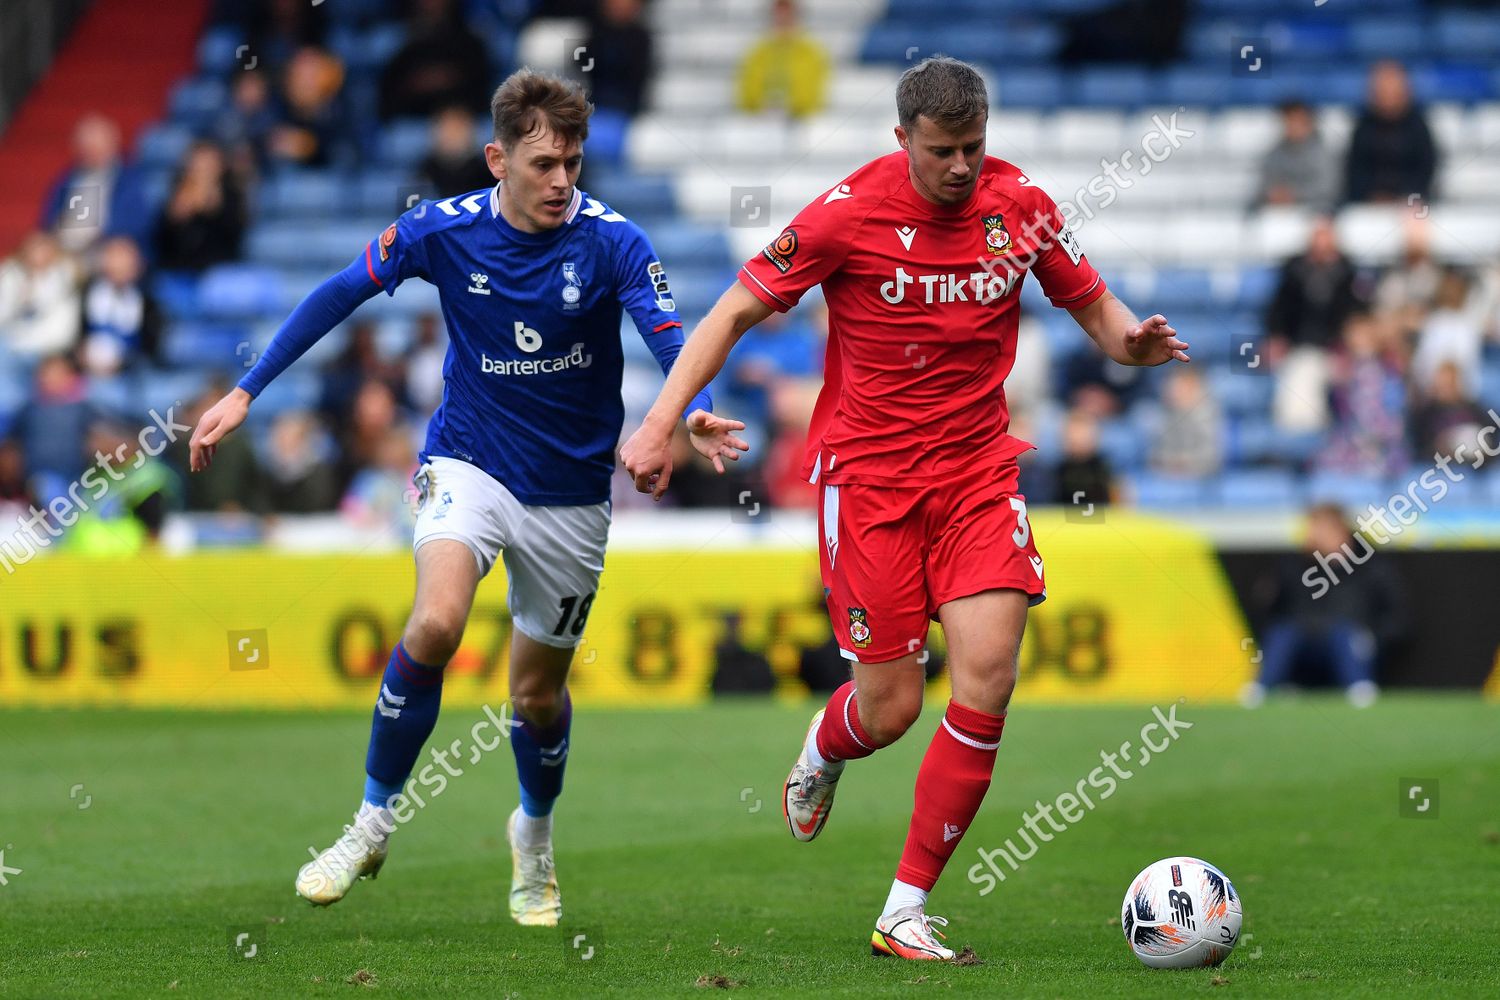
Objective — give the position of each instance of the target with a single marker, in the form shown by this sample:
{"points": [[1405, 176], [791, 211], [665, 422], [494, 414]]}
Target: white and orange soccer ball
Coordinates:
{"points": [[1181, 913]]}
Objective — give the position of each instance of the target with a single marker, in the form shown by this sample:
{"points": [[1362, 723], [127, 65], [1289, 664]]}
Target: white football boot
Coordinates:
{"points": [[908, 933], [534, 899], [808, 796], [358, 854]]}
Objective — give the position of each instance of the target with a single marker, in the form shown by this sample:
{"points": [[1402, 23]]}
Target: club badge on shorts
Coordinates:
{"points": [[996, 237], [859, 630]]}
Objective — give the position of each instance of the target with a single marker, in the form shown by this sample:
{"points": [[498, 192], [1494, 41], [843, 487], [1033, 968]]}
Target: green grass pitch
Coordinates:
{"points": [[675, 863]]}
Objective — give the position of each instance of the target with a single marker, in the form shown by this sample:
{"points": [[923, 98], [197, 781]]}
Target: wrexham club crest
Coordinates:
{"points": [[859, 628], [996, 238]]}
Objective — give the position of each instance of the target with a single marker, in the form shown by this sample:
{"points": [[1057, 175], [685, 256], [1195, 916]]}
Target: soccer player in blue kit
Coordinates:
{"points": [[532, 276]]}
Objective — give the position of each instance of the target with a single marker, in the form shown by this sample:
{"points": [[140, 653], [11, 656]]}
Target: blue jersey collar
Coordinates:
{"points": [[542, 237]]}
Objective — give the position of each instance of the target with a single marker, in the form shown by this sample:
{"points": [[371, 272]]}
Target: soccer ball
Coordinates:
{"points": [[1181, 913]]}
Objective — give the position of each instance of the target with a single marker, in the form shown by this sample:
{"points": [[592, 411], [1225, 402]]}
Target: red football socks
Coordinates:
{"points": [[951, 784], [841, 737]]}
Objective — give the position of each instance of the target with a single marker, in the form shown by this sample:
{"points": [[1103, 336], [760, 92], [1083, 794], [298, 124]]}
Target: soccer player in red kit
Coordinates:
{"points": [[921, 255]]}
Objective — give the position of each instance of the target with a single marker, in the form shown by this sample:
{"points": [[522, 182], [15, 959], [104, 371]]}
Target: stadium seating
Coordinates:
{"points": [[1178, 239]]}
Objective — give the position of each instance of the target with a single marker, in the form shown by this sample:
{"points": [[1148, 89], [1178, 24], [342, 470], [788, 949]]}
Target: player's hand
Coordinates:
{"points": [[1153, 342], [221, 418], [647, 456], [714, 437]]}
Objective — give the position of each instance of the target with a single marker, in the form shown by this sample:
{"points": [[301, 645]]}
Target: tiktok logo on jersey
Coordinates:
{"points": [[941, 289]]}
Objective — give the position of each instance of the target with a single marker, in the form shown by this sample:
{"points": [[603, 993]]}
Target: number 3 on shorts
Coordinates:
{"points": [[1023, 528]]}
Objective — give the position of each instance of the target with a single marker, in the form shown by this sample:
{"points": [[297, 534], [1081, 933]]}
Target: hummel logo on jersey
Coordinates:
{"points": [[471, 203], [477, 282], [838, 193], [951, 832], [1036, 564], [906, 234]]}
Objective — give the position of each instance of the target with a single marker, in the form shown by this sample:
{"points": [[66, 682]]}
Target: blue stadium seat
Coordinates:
{"points": [[176, 292], [634, 194], [238, 290], [293, 389], [402, 143], [1196, 85], [369, 49], [1388, 37], [1467, 35], [608, 131], [329, 245], [1455, 82], [222, 346], [195, 101], [159, 390], [1263, 489], [1353, 492], [1470, 492], [217, 50], [114, 395], [303, 194], [1182, 288], [1157, 492], [162, 145], [385, 193], [1257, 285], [1115, 87], [1240, 392], [1122, 444], [1252, 439], [1029, 87], [686, 242]]}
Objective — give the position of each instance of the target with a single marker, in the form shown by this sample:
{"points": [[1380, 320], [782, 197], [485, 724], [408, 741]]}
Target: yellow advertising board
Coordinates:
{"points": [[1138, 610]]}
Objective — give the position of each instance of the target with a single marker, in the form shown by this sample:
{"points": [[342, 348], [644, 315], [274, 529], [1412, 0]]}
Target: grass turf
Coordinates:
{"points": [[675, 863]]}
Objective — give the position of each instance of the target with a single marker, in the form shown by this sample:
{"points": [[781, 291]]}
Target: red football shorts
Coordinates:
{"points": [[892, 555]]}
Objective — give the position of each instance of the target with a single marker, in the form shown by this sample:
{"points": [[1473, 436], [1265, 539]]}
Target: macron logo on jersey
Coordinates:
{"points": [[838, 194]]}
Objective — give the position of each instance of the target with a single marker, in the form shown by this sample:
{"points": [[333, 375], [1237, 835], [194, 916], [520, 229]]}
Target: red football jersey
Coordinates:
{"points": [[923, 304]]}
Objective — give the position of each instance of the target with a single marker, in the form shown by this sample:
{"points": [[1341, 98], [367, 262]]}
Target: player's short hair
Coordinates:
{"points": [[949, 92], [529, 103]]}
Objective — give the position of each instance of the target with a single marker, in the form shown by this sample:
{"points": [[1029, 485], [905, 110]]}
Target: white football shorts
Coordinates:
{"points": [[553, 555]]}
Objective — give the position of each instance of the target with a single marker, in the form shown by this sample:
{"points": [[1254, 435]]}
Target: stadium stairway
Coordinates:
{"points": [[120, 60]]}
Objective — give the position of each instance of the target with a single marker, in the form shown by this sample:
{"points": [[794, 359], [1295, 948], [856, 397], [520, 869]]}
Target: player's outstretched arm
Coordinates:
{"points": [[647, 455], [1126, 339], [325, 307]]}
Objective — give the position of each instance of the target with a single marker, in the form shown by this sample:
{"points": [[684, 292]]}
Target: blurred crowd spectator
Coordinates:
{"points": [[203, 221], [786, 70], [39, 298], [441, 64], [619, 57], [1299, 170], [1392, 156], [1379, 366]]}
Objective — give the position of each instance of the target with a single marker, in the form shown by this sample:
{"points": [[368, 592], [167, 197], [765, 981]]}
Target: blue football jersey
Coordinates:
{"points": [[532, 376]]}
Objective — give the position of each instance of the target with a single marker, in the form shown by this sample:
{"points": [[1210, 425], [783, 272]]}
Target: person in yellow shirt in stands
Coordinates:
{"points": [[787, 70]]}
